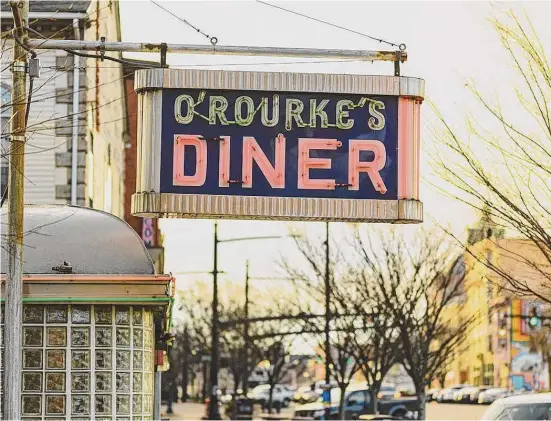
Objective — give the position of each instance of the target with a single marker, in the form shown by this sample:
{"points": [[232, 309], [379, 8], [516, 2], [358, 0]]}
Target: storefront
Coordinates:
{"points": [[94, 318]]}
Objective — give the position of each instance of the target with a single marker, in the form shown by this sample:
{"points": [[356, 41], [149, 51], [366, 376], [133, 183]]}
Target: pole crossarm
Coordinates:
{"points": [[145, 47], [304, 332], [303, 316]]}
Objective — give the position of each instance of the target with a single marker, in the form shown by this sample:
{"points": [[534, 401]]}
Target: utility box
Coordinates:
{"points": [[93, 313]]}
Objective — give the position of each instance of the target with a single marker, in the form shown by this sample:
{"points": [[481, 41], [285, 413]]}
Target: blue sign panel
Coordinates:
{"points": [[259, 143]]}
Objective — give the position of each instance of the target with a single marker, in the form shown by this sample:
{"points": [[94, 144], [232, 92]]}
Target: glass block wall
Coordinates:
{"points": [[87, 362]]}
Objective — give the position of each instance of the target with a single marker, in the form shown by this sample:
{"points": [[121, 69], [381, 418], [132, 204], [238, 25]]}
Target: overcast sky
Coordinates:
{"points": [[447, 42]]}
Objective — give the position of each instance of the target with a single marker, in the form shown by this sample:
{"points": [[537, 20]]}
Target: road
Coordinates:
{"points": [[435, 411], [449, 411]]}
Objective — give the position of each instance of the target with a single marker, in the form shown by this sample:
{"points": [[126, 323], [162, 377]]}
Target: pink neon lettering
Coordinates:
{"points": [[274, 174], [224, 164], [306, 163], [178, 177], [372, 168]]}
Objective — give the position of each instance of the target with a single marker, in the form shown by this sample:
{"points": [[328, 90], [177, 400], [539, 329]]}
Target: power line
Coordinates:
{"points": [[402, 47], [212, 39]]}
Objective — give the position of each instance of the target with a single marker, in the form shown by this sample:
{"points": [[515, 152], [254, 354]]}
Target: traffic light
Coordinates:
{"points": [[534, 319]]}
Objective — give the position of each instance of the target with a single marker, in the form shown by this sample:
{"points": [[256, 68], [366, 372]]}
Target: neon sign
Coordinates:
{"points": [[279, 146]]}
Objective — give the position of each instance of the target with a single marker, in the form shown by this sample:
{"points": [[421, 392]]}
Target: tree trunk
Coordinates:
{"points": [[374, 399], [205, 382], [341, 404], [234, 396], [185, 379], [270, 399], [421, 403], [442, 380]]}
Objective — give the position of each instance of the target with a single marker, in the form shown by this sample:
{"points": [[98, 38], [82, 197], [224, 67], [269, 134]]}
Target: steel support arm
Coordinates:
{"points": [[142, 47]]}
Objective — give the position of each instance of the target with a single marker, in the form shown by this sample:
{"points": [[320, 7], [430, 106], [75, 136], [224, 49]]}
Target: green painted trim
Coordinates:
{"points": [[92, 299]]}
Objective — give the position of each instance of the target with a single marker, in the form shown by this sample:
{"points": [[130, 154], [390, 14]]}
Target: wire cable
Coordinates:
{"points": [[402, 47], [213, 40]]}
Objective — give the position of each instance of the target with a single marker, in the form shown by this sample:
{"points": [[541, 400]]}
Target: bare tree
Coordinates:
{"points": [[410, 285], [505, 171], [356, 342], [276, 351]]}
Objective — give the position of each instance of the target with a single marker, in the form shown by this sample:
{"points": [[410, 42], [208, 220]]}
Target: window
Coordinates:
{"points": [[87, 361], [356, 399]]}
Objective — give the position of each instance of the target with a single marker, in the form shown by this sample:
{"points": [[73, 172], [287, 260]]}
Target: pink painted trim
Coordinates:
{"points": [[274, 174], [372, 168], [409, 145], [417, 147], [200, 145], [305, 163], [224, 165]]}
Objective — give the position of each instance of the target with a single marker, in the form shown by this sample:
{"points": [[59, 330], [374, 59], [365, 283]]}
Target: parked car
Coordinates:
{"points": [[358, 402], [535, 406], [446, 395], [463, 395], [281, 396], [491, 395], [305, 394], [432, 394], [473, 398], [387, 392]]}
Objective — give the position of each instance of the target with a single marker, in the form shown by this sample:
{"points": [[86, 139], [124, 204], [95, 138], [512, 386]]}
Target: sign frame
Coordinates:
{"points": [[150, 202]]}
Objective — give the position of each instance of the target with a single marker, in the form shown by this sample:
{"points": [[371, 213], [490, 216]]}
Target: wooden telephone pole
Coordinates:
{"points": [[16, 185]]}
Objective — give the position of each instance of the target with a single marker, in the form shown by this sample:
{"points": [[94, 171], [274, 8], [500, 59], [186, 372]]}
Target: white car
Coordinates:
{"points": [[535, 406], [491, 395], [282, 395]]}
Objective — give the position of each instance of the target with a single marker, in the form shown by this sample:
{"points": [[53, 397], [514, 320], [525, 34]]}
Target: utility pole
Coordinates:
{"points": [[214, 413], [327, 319], [14, 280], [246, 356]]}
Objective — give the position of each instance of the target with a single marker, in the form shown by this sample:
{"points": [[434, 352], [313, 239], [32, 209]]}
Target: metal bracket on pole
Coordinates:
{"points": [[19, 67], [102, 48], [164, 48], [401, 56], [397, 63]]}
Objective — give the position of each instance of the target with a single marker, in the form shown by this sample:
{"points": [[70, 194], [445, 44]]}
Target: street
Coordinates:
{"points": [[435, 411]]}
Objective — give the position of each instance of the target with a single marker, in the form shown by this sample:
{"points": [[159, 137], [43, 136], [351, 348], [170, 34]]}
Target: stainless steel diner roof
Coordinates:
{"points": [[91, 241]]}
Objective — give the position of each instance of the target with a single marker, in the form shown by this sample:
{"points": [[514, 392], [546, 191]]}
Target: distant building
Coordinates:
{"points": [[499, 350], [106, 131], [48, 163]]}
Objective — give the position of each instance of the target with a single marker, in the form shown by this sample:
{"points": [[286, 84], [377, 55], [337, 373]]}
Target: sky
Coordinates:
{"points": [[447, 44]]}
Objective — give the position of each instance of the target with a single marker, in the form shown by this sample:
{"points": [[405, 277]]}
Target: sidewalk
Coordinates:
{"points": [[184, 411], [193, 411]]}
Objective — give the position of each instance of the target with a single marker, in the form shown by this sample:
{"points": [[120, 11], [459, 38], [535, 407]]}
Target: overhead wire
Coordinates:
{"points": [[213, 40], [334, 25]]}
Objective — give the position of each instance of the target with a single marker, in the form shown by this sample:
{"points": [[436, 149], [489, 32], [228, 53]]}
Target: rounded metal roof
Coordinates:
{"points": [[91, 241]]}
